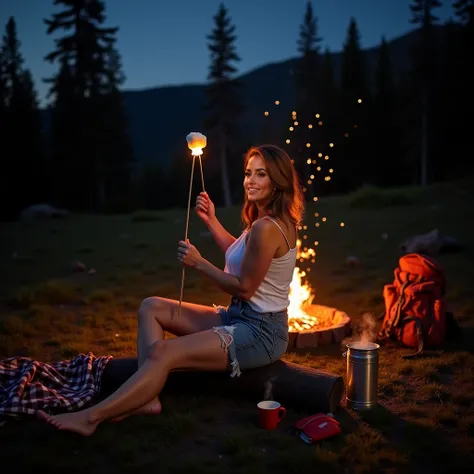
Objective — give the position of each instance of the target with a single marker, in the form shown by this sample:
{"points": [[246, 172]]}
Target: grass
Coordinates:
{"points": [[423, 424]]}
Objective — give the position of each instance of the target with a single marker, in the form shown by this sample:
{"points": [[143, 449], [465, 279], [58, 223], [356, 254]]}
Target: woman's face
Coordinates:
{"points": [[257, 183]]}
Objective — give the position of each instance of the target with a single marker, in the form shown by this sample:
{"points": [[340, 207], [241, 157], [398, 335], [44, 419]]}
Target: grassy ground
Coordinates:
{"points": [[425, 421]]}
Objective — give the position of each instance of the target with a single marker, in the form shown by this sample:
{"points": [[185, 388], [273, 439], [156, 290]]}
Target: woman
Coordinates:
{"points": [[252, 331]]}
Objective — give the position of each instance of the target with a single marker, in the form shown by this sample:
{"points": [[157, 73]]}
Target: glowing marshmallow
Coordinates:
{"points": [[196, 142]]}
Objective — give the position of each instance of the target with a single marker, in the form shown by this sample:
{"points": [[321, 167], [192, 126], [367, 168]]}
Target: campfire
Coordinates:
{"points": [[301, 296], [310, 324]]}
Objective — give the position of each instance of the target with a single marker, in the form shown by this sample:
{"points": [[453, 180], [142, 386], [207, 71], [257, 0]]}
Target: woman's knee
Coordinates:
{"points": [[161, 351], [150, 307]]}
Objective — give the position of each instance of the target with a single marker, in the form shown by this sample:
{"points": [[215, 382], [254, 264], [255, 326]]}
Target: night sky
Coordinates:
{"points": [[164, 42]]}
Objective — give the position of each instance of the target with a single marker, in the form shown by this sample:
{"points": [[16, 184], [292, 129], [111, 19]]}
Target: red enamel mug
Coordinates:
{"points": [[270, 413]]}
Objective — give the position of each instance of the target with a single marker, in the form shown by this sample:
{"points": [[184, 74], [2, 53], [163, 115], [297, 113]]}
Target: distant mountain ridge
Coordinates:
{"points": [[161, 117]]}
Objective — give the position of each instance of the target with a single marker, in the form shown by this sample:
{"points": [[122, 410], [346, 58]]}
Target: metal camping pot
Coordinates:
{"points": [[362, 375]]}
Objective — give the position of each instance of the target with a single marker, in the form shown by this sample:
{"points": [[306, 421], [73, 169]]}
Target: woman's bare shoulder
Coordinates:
{"points": [[263, 228]]}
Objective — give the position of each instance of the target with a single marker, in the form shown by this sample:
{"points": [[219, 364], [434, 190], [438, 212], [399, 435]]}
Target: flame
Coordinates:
{"points": [[301, 297], [196, 151]]}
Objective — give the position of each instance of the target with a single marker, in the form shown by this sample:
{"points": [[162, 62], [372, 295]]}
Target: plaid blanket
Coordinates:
{"points": [[27, 385]]}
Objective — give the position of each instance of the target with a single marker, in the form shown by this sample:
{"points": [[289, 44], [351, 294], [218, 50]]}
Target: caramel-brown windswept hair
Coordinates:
{"points": [[287, 200]]}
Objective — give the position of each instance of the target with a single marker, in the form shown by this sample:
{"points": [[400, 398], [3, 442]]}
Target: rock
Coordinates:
{"points": [[42, 211], [431, 243], [428, 244], [352, 261], [78, 266]]}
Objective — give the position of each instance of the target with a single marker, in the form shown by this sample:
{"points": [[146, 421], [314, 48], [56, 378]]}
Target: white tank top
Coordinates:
{"points": [[273, 293]]}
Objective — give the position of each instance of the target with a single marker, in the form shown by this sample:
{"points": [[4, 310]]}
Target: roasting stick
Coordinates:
{"points": [[196, 142]]}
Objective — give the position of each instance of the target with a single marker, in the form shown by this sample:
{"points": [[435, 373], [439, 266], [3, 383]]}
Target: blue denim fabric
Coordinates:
{"points": [[258, 339]]}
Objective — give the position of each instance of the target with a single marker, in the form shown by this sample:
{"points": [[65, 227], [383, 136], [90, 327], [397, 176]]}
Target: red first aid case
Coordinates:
{"points": [[317, 427]]}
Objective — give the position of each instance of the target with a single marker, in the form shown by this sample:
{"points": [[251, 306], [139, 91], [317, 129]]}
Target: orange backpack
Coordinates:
{"points": [[415, 308]]}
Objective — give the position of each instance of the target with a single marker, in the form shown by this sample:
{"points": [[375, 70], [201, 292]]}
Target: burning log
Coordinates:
{"points": [[291, 384]]}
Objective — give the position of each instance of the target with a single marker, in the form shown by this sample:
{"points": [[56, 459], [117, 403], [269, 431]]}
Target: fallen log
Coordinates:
{"points": [[293, 385]]}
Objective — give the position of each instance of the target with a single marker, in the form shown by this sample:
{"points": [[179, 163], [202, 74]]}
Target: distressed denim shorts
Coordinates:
{"points": [[251, 339]]}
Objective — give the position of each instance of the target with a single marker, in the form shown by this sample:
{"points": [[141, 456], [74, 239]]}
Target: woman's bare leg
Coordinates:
{"points": [[157, 315], [199, 351]]}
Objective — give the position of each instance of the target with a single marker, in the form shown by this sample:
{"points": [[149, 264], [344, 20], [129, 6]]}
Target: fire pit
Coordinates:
{"points": [[312, 325], [332, 327]]}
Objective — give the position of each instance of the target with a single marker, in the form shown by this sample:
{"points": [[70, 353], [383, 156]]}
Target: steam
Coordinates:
{"points": [[365, 332], [268, 393], [367, 329]]}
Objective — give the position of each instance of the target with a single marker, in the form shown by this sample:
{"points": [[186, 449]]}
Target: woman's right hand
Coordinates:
{"points": [[205, 208]]}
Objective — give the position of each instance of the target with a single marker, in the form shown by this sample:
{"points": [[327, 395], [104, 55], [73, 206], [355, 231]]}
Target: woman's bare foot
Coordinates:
{"points": [[78, 422], [151, 408]]}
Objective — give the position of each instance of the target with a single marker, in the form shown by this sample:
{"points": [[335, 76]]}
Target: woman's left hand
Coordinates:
{"points": [[188, 254]]}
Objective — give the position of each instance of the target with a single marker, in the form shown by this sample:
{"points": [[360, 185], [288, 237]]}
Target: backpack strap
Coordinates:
{"points": [[394, 318], [419, 334], [399, 304]]}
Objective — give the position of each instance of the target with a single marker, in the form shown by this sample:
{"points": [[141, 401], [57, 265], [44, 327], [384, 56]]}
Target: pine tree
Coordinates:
{"points": [[455, 124], [308, 84], [385, 133], [88, 78], [354, 85], [355, 158], [327, 123], [66, 140], [223, 101], [308, 66], [329, 90], [384, 83], [22, 165], [31, 130], [329, 100], [114, 153], [425, 67], [3, 93], [85, 48], [4, 144], [13, 62], [464, 10]]}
